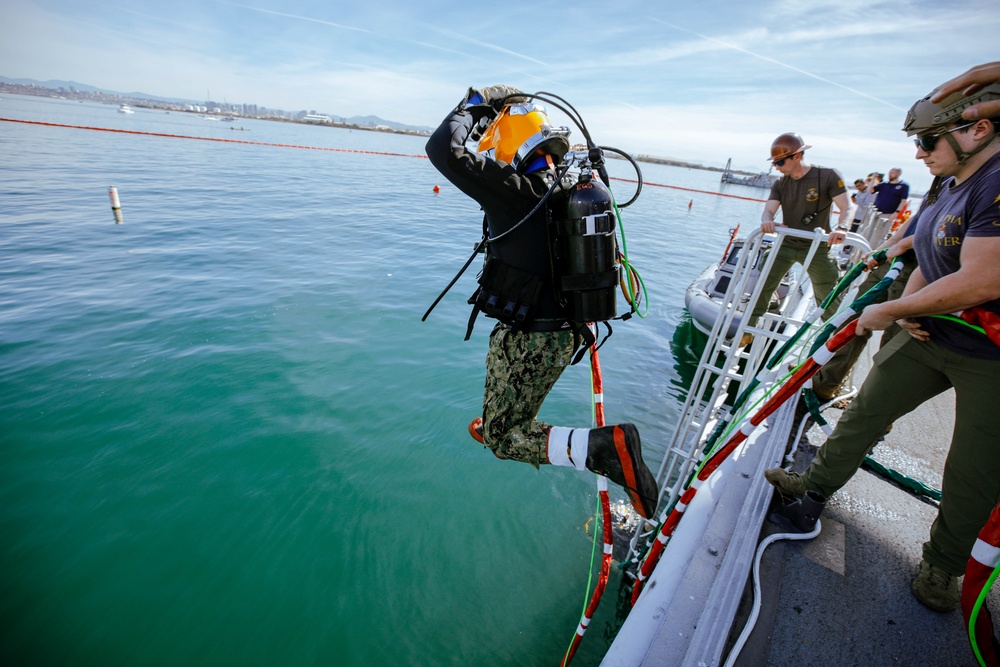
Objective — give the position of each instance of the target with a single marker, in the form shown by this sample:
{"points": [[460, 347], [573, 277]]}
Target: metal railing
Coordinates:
{"points": [[718, 374]]}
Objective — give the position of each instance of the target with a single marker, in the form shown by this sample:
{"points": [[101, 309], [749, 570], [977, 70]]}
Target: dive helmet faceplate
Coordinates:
{"points": [[786, 145], [925, 115], [521, 131]]}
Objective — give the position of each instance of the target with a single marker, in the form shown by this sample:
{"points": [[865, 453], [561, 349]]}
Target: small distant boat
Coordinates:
{"points": [[124, 108], [761, 180], [228, 119]]}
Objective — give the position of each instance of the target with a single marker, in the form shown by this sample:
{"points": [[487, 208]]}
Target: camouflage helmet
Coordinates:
{"points": [[925, 115]]}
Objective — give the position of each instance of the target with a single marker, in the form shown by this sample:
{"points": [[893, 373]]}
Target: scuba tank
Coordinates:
{"points": [[584, 250]]}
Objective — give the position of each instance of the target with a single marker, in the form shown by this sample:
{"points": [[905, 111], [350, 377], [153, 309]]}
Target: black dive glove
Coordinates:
{"points": [[499, 96], [484, 104], [494, 97]]}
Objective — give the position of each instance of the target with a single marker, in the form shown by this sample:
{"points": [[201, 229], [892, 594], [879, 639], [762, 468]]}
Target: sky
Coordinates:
{"points": [[696, 81]]}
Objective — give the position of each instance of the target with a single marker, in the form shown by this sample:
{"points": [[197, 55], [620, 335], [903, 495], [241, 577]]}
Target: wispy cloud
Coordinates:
{"points": [[294, 16], [480, 44], [774, 61]]}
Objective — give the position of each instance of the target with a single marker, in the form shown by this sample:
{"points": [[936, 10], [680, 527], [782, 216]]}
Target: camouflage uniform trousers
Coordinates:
{"points": [[521, 369]]}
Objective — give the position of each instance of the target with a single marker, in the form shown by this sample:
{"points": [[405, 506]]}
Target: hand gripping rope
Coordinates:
{"points": [[770, 373], [980, 575], [597, 386], [786, 391], [859, 304]]}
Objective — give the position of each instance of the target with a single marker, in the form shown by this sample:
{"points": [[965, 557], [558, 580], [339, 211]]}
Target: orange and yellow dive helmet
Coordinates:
{"points": [[522, 131]]}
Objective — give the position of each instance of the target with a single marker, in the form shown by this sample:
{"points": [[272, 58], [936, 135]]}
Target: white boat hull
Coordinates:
{"points": [[705, 309], [687, 606]]}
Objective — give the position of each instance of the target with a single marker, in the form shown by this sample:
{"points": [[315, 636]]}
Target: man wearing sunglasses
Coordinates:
{"points": [[957, 242], [805, 194]]}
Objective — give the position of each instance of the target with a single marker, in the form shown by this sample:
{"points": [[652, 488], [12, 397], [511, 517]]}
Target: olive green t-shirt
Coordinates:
{"points": [[811, 195]]}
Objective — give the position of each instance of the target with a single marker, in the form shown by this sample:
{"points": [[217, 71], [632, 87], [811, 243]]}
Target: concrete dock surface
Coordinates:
{"points": [[844, 598]]}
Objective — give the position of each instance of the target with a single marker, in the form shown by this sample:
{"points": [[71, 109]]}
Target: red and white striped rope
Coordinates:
{"points": [[786, 391]]}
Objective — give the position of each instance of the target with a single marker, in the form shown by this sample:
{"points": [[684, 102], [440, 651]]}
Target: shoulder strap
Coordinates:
{"points": [[472, 321], [475, 251], [589, 338]]}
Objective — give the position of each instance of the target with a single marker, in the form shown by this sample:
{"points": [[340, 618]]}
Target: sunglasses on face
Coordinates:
{"points": [[928, 142], [782, 161]]}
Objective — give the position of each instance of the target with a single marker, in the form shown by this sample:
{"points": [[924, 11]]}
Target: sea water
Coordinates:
{"points": [[227, 436]]}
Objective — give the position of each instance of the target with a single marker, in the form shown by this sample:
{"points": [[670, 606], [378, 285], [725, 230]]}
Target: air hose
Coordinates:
{"points": [[980, 575], [597, 391], [734, 653]]}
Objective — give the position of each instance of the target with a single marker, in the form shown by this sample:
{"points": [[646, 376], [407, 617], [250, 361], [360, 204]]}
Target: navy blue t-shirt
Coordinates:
{"points": [[961, 211], [888, 196]]}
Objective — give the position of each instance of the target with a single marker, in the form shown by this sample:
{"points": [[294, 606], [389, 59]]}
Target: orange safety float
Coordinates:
{"points": [[980, 573]]}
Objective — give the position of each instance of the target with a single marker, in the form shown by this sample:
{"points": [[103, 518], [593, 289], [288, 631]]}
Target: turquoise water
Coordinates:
{"points": [[229, 440]]}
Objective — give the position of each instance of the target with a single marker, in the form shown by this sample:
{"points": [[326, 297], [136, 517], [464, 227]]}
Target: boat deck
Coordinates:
{"points": [[844, 598]]}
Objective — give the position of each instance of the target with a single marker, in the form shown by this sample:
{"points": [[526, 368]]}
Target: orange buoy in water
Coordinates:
{"points": [[437, 189], [690, 203]]}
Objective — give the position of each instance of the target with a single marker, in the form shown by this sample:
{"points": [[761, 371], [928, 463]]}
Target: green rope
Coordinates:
{"points": [[959, 320], [631, 269], [812, 403], [975, 614], [914, 485], [590, 576]]}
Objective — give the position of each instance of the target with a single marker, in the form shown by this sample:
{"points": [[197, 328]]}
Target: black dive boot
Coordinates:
{"points": [[616, 453]]}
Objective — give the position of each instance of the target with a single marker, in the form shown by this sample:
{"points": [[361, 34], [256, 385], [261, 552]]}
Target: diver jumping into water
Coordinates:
{"points": [[514, 177]]}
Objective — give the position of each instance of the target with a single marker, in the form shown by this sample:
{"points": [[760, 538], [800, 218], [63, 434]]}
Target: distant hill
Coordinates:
{"points": [[55, 84], [375, 120], [83, 87]]}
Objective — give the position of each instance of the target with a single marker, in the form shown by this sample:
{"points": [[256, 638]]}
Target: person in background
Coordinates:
{"points": [[957, 242], [804, 193], [859, 185], [862, 198], [891, 197], [533, 341]]}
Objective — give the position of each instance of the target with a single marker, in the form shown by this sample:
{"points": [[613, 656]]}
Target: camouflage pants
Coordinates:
{"points": [[521, 369]]}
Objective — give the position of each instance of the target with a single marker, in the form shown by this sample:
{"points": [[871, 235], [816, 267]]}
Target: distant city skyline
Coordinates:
{"points": [[78, 89], [700, 82]]}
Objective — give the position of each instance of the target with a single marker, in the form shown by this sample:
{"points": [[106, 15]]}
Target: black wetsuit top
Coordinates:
{"points": [[506, 197]]}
